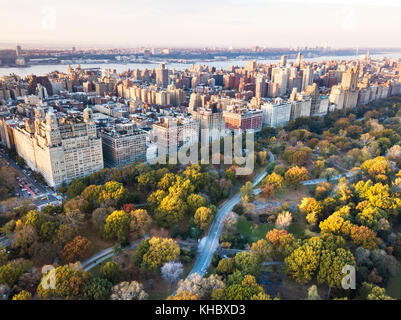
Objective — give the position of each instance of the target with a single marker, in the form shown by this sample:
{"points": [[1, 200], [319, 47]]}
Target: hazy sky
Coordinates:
{"points": [[221, 23]]}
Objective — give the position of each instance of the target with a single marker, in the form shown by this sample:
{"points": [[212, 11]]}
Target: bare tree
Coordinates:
{"points": [[128, 291], [172, 271]]}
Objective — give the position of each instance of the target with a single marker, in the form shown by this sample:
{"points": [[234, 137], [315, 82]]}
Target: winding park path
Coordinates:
{"points": [[209, 244]]}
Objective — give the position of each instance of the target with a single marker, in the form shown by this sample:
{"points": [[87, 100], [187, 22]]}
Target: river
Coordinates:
{"points": [[120, 67]]}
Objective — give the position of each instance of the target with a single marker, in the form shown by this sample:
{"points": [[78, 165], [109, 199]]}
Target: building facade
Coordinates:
{"points": [[123, 145], [60, 150]]}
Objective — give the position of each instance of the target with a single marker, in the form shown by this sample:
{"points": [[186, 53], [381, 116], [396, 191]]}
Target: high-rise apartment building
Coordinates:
{"points": [[300, 105], [210, 119], [313, 92], [195, 102], [162, 76], [60, 149], [170, 134], [337, 96], [243, 120], [307, 77], [283, 61], [276, 113], [261, 87], [123, 145], [350, 85]]}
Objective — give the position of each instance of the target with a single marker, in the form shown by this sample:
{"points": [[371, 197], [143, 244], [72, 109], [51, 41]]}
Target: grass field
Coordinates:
{"points": [[251, 230]]}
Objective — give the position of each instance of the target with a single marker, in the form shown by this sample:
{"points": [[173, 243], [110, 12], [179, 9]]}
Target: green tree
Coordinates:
{"points": [[111, 271], [225, 266], [247, 263], [247, 192], [97, 289]]}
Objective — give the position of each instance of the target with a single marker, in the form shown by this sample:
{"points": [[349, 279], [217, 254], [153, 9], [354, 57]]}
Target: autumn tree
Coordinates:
{"points": [[377, 169], [363, 236], [171, 211], [10, 272], [69, 284], [195, 201], [201, 286], [283, 220], [275, 180], [247, 192], [99, 217], [140, 221], [312, 210], [225, 266], [372, 292], [111, 193], [331, 265], [281, 243], [203, 217], [295, 175], [261, 249], [336, 225], [23, 295], [117, 225], [77, 249], [160, 251], [247, 263], [303, 263]]}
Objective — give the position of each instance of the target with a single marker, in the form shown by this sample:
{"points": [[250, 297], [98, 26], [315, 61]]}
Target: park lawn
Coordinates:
{"points": [[98, 243], [253, 231], [297, 229], [394, 286]]}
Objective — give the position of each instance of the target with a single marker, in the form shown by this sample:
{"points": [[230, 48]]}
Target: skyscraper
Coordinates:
{"points": [[350, 85], [307, 77], [18, 51], [162, 76], [261, 87], [299, 60], [283, 61]]}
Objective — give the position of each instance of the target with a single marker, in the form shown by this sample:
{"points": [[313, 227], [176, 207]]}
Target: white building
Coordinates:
{"points": [[60, 149], [276, 113], [171, 134]]}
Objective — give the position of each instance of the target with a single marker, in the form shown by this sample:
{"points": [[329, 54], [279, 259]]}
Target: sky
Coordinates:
{"points": [[201, 23]]}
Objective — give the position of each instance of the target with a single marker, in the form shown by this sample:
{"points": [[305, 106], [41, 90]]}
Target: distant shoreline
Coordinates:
{"points": [[179, 64]]}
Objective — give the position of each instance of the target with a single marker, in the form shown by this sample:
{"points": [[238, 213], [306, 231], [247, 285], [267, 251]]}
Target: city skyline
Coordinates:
{"points": [[335, 23]]}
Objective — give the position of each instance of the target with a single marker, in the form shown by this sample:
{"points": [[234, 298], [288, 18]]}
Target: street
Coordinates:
{"points": [[28, 187], [210, 243]]}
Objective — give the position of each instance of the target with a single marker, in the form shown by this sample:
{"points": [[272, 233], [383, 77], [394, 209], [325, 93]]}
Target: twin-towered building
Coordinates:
{"points": [[59, 149]]}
